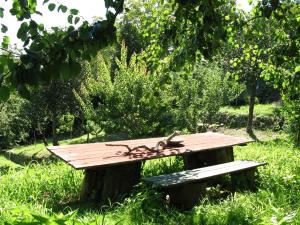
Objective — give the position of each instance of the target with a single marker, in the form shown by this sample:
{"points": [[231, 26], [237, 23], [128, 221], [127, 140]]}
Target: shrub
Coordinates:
{"points": [[132, 105], [291, 113], [14, 124], [194, 97], [137, 103]]}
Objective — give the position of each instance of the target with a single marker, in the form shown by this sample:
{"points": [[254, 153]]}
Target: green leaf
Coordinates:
{"points": [[22, 32], [45, 1], [77, 19], [74, 11], [227, 17], [59, 8], [4, 93], [75, 68], [62, 8], [1, 12], [5, 42], [3, 28], [23, 91], [70, 19], [51, 6], [64, 71]]}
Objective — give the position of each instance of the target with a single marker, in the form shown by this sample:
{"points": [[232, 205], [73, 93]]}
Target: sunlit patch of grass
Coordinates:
{"points": [[51, 189], [259, 109], [6, 165]]}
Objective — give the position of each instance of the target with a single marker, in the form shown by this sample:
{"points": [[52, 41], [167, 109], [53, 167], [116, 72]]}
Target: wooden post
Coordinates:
{"points": [[244, 180], [185, 196], [208, 158], [101, 184]]}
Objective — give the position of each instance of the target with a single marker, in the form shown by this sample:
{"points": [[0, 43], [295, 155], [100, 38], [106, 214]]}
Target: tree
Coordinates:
{"points": [[50, 103], [283, 68], [51, 55], [249, 51], [93, 90], [56, 54], [173, 33]]}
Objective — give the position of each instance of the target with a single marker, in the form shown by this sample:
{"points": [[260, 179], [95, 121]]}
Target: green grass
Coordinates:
{"points": [[6, 164], [51, 189], [259, 109], [39, 151]]}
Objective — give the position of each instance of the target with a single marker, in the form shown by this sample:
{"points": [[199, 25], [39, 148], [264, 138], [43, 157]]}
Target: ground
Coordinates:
{"points": [[47, 189]]}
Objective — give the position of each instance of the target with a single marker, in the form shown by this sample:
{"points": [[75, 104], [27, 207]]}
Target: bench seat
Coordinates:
{"points": [[185, 188], [199, 174]]}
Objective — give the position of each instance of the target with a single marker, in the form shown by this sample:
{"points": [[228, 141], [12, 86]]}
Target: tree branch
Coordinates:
{"points": [[9, 51]]}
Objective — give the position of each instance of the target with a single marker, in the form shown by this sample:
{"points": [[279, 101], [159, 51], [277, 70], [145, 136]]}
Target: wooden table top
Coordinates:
{"points": [[84, 156]]}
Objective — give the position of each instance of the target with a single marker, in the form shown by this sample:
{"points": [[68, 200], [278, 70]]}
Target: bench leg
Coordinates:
{"points": [[208, 158], [110, 182], [185, 196], [244, 180]]}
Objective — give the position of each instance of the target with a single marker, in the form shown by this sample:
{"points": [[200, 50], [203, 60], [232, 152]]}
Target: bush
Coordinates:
{"points": [[14, 124], [194, 97], [291, 113], [138, 103], [132, 104]]}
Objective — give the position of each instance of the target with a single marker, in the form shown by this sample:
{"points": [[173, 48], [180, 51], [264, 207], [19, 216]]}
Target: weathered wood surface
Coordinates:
{"points": [[101, 184], [185, 196], [199, 174], [85, 156], [208, 158]]}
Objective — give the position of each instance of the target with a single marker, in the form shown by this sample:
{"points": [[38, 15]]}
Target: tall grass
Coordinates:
{"points": [[51, 189]]}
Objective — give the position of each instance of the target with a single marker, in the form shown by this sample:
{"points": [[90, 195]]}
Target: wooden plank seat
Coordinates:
{"points": [[185, 188]]}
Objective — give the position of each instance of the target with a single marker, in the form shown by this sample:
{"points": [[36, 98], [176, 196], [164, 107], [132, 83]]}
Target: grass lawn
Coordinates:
{"points": [[259, 109], [6, 164], [49, 191]]}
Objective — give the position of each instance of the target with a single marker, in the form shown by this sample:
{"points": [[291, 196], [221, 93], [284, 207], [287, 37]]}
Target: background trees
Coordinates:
{"points": [[167, 43]]}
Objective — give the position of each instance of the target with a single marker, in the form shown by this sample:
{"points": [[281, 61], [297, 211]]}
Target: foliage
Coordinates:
{"points": [[137, 103], [291, 113], [283, 65], [175, 32], [194, 97], [66, 123], [50, 55], [132, 98], [53, 104], [96, 82], [14, 124]]}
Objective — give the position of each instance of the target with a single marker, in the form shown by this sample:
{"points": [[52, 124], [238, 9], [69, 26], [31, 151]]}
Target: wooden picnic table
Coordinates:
{"points": [[113, 170]]}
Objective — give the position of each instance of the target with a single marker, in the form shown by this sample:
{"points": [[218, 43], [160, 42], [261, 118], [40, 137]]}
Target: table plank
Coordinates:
{"points": [[83, 156]]}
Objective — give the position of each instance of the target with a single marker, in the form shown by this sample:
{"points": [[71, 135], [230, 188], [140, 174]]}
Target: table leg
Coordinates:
{"points": [[101, 184], [244, 180], [208, 158]]}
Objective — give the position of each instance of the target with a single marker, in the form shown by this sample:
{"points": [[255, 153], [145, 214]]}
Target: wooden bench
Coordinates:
{"points": [[185, 188]]}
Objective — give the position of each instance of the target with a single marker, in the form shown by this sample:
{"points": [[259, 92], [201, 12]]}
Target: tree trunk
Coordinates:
{"points": [[54, 133], [44, 139], [251, 106], [88, 138], [298, 135]]}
